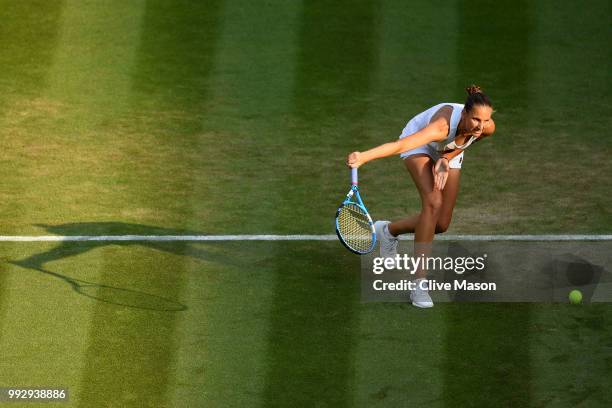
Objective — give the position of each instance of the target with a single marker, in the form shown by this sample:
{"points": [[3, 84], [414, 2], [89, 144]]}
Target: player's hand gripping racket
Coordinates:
{"points": [[354, 225]]}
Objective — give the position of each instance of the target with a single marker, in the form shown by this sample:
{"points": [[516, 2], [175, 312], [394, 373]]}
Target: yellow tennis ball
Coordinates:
{"points": [[575, 297]]}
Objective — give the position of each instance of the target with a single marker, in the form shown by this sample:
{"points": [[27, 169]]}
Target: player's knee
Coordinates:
{"points": [[433, 203], [443, 222], [442, 226]]}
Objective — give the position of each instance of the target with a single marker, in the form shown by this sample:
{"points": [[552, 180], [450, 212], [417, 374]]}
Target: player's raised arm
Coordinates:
{"points": [[437, 130]]}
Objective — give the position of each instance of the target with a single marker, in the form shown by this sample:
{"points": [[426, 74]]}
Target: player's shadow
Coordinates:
{"points": [[111, 294], [566, 272]]}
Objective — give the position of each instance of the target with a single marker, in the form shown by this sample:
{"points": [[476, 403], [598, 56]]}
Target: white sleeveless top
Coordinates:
{"points": [[421, 120]]}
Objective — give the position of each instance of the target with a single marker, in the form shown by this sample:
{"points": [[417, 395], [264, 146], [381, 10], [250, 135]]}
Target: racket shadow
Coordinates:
{"points": [[113, 295], [110, 294]]}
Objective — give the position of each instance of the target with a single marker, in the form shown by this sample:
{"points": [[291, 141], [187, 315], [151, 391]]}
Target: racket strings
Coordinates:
{"points": [[355, 228]]}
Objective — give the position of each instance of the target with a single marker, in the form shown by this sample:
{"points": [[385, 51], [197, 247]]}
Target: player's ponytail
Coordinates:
{"points": [[476, 97]]}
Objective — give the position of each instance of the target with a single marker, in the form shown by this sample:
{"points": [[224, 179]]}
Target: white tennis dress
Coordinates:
{"points": [[434, 149]]}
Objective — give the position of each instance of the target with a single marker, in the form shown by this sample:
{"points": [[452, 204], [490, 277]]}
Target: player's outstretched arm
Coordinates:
{"points": [[437, 130]]}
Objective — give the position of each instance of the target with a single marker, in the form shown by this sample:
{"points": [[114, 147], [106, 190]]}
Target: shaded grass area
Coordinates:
{"points": [[106, 354], [487, 353], [282, 324], [312, 328], [570, 351]]}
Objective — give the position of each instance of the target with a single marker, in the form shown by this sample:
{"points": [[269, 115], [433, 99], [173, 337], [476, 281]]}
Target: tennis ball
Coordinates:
{"points": [[575, 297]]}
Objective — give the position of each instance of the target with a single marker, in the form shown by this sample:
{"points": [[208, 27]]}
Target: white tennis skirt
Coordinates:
{"points": [[430, 151]]}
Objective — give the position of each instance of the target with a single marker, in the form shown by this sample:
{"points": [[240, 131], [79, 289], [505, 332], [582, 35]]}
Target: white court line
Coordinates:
{"points": [[216, 238]]}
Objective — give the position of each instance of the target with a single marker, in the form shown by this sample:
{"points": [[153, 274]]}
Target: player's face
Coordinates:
{"points": [[477, 119]]}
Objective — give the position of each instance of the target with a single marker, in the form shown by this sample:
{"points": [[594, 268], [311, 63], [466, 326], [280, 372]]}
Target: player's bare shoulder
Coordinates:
{"points": [[442, 118], [445, 112]]}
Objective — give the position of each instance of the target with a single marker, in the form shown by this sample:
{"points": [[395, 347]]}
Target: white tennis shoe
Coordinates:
{"points": [[420, 297], [388, 243]]}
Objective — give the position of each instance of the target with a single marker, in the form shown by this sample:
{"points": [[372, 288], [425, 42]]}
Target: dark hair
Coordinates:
{"points": [[476, 97]]}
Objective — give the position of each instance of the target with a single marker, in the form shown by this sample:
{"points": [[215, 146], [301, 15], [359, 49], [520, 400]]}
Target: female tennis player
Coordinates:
{"points": [[432, 146]]}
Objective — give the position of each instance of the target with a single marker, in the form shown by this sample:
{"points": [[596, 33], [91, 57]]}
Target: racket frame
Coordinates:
{"points": [[354, 193]]}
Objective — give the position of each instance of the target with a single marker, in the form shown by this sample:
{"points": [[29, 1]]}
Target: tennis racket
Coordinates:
{"points": [[354, 225]]}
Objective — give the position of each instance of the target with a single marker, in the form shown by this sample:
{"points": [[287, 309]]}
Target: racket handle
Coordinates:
{"points": [[354, 176]]}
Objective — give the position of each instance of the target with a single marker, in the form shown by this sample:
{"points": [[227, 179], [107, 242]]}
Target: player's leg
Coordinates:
{"points": [[436, 212], [449, 199], [420, 169], [423, 225], [419, 166]]}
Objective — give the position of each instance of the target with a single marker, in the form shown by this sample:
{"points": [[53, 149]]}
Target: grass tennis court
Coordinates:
{"points": [[235, 117]]}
